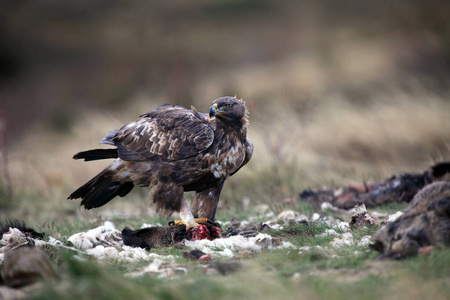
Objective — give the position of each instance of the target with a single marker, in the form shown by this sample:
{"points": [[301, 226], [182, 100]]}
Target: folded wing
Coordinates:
{"points": [[169, 133]]}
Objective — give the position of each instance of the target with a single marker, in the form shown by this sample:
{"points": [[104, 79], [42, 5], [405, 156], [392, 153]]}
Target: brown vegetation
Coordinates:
{"points": [[336, 93]]}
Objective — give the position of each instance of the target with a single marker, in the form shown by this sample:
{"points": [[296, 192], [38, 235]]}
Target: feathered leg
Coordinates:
{"points": [[187, 218], [206, 202], [185, 214]]}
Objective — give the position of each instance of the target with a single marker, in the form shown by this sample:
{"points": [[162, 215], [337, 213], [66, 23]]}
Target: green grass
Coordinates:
{"points": [[432, 266], [269, 275], [416, 278], [321, 273]]}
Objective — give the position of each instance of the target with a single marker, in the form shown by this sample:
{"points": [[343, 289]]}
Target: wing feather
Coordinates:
{"points": [[169, 132]]}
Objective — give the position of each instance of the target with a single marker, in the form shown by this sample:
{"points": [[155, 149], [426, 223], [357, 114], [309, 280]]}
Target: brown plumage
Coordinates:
{"points": [[173, 150], [161, 236], [425, 222]]}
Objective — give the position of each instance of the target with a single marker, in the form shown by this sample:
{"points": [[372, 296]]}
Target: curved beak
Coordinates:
{"points": [[213, 110]]}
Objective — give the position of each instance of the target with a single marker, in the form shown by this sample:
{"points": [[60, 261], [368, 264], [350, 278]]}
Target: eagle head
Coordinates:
{"points": [[229, 109]]}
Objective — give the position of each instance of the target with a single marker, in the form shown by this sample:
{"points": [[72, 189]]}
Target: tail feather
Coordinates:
{"points": [[100, 190], [96, 154]]}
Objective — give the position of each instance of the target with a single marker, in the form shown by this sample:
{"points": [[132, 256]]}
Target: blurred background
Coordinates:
{"points": [[339, 91]]}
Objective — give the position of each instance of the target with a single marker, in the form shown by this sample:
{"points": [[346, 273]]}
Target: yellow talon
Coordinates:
{"points": [[201, 220], [179, 222], [192, 223]]}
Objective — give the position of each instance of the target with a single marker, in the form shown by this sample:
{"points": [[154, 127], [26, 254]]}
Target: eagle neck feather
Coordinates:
{"points": [[239, 127]]}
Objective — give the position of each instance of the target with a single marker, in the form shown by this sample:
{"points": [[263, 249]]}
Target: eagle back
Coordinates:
{"points": [[169, 132]]}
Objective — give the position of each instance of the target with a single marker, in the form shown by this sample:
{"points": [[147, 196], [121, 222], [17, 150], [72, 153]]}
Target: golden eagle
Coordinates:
{"points": [[172, 150]]}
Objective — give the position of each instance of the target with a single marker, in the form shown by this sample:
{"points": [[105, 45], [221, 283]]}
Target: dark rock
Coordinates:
{"points": [[426, 222], [26, 265], [193, 254], [250, 230], [395, 189], [234, 222], [440, 170]]}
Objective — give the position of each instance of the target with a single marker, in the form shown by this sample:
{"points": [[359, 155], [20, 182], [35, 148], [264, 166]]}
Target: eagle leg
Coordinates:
{"points": [[196, 220], [206, 202], [187, 218]]}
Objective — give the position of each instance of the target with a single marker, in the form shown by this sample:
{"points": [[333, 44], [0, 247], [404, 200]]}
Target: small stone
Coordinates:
{"points": [[365, 241]]}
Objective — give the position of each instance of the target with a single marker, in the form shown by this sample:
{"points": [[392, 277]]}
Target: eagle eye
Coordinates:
{"points": [[228, 105]]}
